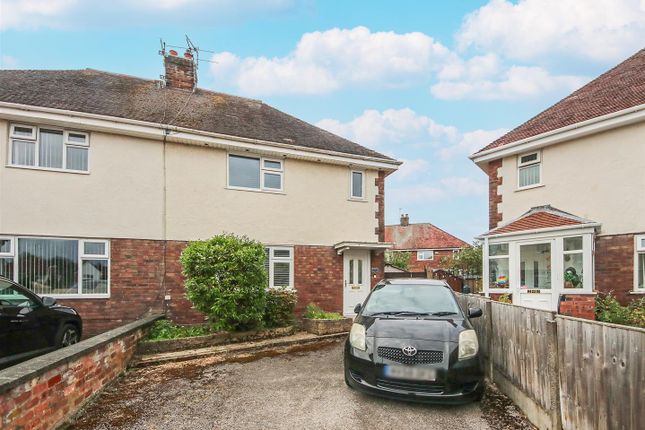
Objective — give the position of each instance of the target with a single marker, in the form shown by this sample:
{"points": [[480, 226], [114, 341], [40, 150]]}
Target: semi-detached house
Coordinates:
{"points": [[566, 198], [104, 178]]}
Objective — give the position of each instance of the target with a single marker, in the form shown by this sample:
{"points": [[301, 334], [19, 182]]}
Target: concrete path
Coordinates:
{"points": [[296, 391]]}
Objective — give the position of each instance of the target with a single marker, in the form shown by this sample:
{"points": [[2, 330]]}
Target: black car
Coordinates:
{"points": [[31, 325], [411, 341]]}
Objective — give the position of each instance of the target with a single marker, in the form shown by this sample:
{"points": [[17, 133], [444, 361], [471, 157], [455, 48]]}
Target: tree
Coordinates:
{"points": [[226, 280], [468, 260], [398, 259]]}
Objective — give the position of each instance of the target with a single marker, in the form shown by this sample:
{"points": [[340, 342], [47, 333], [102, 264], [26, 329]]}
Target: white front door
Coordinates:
{"points": [[356, 265], [535, 289]]}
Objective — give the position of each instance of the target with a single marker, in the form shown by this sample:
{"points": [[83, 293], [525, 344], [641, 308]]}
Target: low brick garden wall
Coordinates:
{"points": [[42, 393]]}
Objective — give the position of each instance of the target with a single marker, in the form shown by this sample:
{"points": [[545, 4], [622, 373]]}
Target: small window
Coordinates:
{"points": [[357, 185], [425, 255], [76, 138], [6, 246], [95, 249], [279, 267], [23, 131], [529, 170], [639, 273]]}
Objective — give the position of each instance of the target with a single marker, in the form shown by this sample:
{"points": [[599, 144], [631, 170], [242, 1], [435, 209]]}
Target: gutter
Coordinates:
{"points": [[599, 124], [151, 130]]}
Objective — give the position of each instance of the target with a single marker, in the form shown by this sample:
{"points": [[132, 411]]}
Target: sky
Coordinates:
{"points": [[426, 82]]}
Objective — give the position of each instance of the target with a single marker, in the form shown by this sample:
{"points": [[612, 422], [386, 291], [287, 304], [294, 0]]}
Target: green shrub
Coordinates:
{"points": [[280, 307], [164, 329], [505, 298], [226, 280], [609, 310], [316, 313]]}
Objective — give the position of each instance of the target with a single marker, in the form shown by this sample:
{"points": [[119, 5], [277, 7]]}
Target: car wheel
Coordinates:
{"points": [[68, 336]]}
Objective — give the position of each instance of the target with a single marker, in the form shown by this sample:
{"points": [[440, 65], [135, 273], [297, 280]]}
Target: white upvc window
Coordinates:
{"points": [[639, 263], [498, 266], [357, 185], [425, 255], [255, 173], [279, 266], [48, 148], [573, 257], [529, 170], [57, 267]]}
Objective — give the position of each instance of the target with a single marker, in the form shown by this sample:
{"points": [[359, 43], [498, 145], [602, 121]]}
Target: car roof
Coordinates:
{"points": [[416, 281]]}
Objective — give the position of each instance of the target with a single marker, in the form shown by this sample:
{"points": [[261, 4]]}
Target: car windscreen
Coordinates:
{"points": [[392, 299]]}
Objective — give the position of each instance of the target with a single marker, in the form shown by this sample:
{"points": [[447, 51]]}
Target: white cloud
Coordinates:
{"points": [[8, 62], [324, 61], [516, 83], [411, 168], [600, 30], [75, 14], [471, 142], [448, 187]]}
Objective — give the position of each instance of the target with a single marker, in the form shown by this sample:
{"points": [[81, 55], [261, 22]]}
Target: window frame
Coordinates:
{"points": [[421, 251], [12, 247], [524, 165], [580, 251], [273, 259], [263, 170], [363, 197], [638, 250], [35, 138], [506, 256], [81, 257]]}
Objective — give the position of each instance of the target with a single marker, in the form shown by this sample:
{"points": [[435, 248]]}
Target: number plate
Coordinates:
{"points": [[413, 373]]}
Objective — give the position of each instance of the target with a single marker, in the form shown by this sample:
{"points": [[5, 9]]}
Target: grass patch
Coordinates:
{"points": [[314, 312], [164, 329]]}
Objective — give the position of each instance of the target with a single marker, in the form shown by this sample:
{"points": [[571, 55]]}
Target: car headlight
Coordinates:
{"points": [[468, 344], [357, 337]]}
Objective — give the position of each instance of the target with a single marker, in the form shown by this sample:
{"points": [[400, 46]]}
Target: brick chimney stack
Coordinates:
{"points": [[181, 73], [405, 220]]}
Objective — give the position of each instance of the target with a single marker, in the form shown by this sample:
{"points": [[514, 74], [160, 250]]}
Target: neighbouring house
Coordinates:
{"points": [[104, 179], [425, 243], [566, 206]]}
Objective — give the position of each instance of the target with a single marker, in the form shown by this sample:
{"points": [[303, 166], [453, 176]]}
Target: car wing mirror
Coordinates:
{"points": [[474, 312], [358, 308], [48, 301]]}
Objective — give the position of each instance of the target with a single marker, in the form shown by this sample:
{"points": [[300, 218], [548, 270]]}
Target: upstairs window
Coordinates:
{"points": [[425, 255], [529, 169], [357, 188], [255, 173], [639, 273], [49, 148]]}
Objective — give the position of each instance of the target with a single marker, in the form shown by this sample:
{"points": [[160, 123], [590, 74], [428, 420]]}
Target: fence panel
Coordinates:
{"points": [[602, 375], [481, 324], [520, 349]]}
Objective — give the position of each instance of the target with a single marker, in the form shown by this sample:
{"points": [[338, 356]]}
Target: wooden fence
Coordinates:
{"points": [[563, 372]]}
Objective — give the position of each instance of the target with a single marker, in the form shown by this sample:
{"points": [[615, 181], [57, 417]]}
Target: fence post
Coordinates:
{"points": [[554, 372], [488, 305]]}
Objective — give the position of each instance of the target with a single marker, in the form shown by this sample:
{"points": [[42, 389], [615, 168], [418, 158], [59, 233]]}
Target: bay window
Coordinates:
{"points": [[279, 266], [57, 267], [255, 173], [639, 273], [49, 148]]}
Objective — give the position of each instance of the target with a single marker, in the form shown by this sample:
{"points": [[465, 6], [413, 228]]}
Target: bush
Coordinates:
{"points": [[164, 329], [316, 313], [609, 310], [398, 259], [280, 307], [226, 280]]}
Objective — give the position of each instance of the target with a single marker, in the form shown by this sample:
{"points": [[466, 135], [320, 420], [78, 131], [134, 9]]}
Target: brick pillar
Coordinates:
{"points": [[494, 198], [380, 200]]}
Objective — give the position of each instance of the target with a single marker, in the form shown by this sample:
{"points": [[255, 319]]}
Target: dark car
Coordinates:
{"points": [[31, 325], [411, 341]]}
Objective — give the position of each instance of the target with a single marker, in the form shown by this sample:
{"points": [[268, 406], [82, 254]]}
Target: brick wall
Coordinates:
{"points": [[318, 277], [421, 266], [178, 308], [614, 265], [44, 392], [579, 306], [494, 198], [377, 261]]}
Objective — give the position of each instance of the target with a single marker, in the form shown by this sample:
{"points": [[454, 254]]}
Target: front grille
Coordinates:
{"points": [[421, 357], [411, 386]]}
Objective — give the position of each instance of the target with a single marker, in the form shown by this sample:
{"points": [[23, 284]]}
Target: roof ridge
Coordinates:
{"points": [[430, 224]]}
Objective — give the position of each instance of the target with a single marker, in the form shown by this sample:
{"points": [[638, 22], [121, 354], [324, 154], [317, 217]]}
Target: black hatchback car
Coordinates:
{"points": [[31, 325], [411, 341]]}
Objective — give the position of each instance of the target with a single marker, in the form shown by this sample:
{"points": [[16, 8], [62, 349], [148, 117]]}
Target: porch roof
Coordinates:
{"points": [[341, 247], [541, 218]]}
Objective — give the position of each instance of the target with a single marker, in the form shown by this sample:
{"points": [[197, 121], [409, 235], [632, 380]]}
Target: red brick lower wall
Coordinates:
{"points": [[579, 306], [49, 397], [423, 265], [318, 277], [614, 266]]}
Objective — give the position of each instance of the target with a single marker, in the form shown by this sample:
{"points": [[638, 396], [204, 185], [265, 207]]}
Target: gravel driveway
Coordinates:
{"points": [[299, 391]]}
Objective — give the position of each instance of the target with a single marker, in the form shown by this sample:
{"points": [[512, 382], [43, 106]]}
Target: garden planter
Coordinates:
{"points": [[322, 327]]}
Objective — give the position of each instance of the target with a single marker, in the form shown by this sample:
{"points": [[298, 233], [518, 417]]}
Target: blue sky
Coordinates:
{"points": [[427, 82]]}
